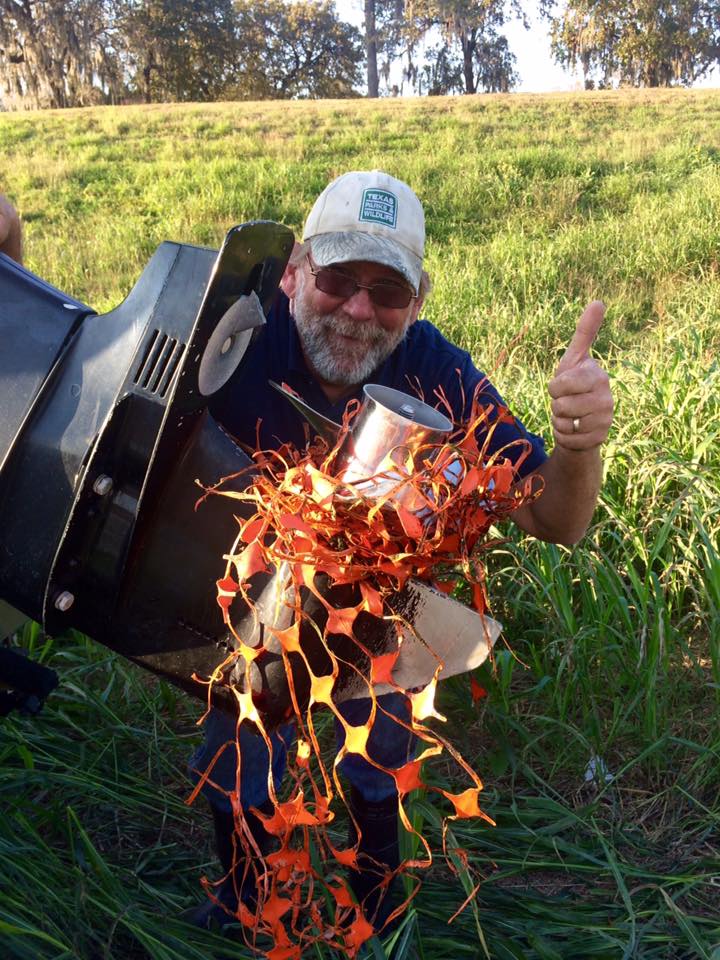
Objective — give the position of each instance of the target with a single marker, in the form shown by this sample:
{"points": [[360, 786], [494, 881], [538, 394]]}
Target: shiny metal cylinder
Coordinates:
{"points": [[383, 439]]}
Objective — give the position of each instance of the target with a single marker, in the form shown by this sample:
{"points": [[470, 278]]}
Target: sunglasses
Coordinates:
{"points": [[383, 294]]}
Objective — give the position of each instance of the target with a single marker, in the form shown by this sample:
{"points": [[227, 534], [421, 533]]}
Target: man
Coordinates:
{"points": [[354, 290], [348, 315]]}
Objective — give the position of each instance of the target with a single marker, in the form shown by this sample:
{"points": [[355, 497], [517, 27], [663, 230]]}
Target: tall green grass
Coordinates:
{"points": [[535, 205]]}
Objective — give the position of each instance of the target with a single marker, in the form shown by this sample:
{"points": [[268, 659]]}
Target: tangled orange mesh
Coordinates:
{"points": [[306, 520]]}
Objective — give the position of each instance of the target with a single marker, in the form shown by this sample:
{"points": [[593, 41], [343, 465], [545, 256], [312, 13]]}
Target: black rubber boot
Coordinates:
{"points": [[378, 854], [208, 914]]}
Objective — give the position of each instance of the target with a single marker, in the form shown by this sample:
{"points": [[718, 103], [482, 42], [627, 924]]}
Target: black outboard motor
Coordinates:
{"points": [[103, 432]]}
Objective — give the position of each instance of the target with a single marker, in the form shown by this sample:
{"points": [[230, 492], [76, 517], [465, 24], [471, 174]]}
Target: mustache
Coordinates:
{"points": [[365, 332]]}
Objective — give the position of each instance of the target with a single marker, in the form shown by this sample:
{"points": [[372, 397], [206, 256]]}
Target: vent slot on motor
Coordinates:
{"points": [[159, 363]]}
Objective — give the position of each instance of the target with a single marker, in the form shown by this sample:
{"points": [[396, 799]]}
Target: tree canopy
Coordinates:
{"points": [[295, 50], [641, 43], [61, 53], [178, 49], [474, 55]]}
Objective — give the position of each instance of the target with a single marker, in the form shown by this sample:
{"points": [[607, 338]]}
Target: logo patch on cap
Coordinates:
{"points": [[378, 206]]}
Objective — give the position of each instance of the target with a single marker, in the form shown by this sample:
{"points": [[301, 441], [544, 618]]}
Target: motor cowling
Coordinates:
{"points": [[104, 432]]}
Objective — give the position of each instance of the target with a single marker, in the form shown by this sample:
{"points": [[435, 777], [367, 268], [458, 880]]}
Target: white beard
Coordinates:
{"points": [[337, 360]]}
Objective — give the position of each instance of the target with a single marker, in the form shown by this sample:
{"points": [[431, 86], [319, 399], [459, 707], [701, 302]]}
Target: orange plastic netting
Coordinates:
{"points": [[329, 541]]}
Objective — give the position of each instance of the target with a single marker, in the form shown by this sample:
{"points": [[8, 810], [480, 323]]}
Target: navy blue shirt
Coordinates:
{"points": [[423, 359]]}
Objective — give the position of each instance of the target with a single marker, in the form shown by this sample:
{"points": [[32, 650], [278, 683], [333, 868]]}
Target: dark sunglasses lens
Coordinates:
{"points": [[335, 284], [390, 295]]}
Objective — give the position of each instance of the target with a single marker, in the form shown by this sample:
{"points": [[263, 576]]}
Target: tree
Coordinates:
{"points": [[475, 55], [373, 81], [59, 54], [180, 49], [386, 31], [441, 72], [641, 43], [495, 64], [295, 50], [76, 52]]}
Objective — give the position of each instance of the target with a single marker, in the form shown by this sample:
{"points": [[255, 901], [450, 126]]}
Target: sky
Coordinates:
{"points": [[538, 72]]}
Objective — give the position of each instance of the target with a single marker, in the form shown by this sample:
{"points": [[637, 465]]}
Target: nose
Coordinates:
{"points": [[359, 306]]}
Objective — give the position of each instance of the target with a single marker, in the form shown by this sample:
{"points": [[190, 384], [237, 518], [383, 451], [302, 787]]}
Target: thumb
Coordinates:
{"points": [[585, 332]]}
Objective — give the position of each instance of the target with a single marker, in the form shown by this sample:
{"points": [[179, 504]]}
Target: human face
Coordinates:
{"points": [[345, 339]]}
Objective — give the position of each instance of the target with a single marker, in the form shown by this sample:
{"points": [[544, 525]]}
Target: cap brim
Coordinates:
{"points": [[329, 248]]}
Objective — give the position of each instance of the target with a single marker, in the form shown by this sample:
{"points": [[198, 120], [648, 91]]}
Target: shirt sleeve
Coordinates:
{"points": [[461, 388]]}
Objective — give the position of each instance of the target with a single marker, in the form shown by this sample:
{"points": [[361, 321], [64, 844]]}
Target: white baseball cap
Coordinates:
{"points": [[368, 215]]}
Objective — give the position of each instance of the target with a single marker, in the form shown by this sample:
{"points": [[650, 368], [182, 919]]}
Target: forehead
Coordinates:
{"points": [[366, 271]]}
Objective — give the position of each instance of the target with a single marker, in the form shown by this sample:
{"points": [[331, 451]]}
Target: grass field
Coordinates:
{"points": [[535, 205]]}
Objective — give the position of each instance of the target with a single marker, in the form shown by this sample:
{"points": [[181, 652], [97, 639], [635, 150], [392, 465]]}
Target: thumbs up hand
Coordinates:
{"points": [[10, 231], [582, 405]]}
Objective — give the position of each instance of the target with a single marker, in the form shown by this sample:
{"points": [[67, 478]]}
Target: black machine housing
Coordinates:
{"points": [[104, 430]]}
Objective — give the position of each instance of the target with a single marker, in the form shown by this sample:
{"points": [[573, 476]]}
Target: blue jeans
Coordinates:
{"points": [[389, 744]]}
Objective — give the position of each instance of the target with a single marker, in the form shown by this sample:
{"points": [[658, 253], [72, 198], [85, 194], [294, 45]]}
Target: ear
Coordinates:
{"points": [[288, 283], [416, 307], [425, 287]]}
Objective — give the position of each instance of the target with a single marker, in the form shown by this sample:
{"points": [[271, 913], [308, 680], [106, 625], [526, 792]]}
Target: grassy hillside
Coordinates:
{"points": [[535, 205]]}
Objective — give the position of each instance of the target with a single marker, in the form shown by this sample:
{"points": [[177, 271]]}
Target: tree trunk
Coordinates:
{"points": [[468, 49], [151, 63], [371, 50]]}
